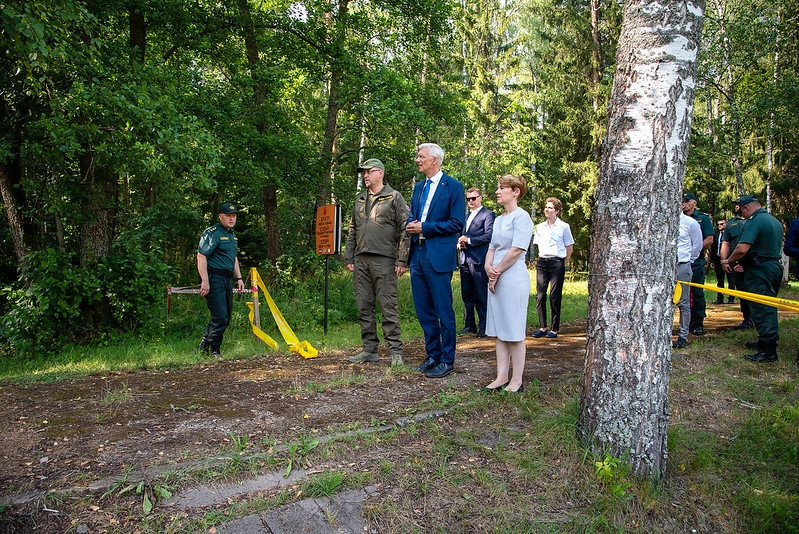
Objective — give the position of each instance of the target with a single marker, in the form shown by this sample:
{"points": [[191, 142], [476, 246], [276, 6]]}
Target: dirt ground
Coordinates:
{"points": [[68, 434]]}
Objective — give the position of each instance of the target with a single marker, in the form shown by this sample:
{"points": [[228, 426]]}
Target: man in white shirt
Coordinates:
{"points": [[689, 247]]}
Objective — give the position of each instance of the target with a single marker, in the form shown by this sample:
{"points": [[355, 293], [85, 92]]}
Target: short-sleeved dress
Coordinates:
{"points": [[507, 306]]}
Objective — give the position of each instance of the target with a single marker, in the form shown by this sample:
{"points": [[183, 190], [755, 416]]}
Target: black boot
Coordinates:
{"points": [[767, 353], [699, 327]]}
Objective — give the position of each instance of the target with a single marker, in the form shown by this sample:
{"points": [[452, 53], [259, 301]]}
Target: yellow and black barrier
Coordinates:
{"points": [[782, 304]]}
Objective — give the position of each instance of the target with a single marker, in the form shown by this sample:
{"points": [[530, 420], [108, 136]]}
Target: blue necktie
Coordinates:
{"points": [[423, 201]]}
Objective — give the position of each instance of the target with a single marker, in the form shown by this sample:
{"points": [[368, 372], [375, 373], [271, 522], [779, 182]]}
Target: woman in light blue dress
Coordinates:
{"points": [[509, 284]]}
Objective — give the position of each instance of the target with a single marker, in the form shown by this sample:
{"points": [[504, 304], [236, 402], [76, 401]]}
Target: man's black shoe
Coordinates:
{"points": [[463, 331], [731, 300], [679, 343], [719, 300], [481, 334], [698, 330], [762, 356], [745, 325], [440, 371], [752, 345], [426, 365], [203, 347]]}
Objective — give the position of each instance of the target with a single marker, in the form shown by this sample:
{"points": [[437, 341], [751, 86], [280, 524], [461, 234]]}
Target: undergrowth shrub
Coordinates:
{"points": [[60, 302]]}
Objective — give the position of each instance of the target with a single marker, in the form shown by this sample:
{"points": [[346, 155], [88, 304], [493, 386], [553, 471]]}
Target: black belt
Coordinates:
{"points": [[220, 272], [682, 262], [551, 258]]}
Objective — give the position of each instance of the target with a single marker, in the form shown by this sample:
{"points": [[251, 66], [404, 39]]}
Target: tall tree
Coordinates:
{"points": [[624, 404]]}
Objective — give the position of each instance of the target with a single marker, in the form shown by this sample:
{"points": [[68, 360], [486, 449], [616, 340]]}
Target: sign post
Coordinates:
{"points": [[328, 239]]}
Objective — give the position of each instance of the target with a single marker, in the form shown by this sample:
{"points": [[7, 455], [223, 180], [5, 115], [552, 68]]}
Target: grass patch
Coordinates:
{"points": [[499, 463]]}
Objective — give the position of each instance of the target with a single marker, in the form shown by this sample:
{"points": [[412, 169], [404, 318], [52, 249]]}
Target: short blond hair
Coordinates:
{"points": [[514, 182]]}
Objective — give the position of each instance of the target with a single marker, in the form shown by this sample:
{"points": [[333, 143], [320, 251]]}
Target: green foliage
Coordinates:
{"points": [[613, 473], [324, 484], [769, 444], [298, 450], [53, 309]]}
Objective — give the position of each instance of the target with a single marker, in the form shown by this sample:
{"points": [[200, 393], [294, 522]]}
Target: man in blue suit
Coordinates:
{"points": [[473, 247], [434, 224]]}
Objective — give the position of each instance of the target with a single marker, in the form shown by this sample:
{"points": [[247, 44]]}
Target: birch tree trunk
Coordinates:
{"points": [[624, 404]]}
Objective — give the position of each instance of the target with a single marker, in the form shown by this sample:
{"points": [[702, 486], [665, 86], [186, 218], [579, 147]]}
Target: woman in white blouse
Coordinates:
{"points": [[555, 243]]}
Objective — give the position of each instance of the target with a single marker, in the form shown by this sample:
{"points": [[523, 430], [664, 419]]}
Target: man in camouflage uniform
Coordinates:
{"points": [[377, 254], [758, 253]]}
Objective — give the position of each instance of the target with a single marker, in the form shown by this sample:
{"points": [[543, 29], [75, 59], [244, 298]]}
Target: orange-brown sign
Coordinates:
{"points": [[328, 229]]}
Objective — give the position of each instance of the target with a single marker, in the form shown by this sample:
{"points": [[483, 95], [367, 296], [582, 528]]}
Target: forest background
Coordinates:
{"points": [[126, 123]]}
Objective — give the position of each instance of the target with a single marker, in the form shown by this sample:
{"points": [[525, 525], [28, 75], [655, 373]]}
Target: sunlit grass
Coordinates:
{"points": [[172, 343]]}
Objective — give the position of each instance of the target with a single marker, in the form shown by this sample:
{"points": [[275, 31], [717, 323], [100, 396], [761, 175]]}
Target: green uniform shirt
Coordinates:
{"points": [[733, 231], [380, 231], [220, 246], [764, 233], [707, 230]]}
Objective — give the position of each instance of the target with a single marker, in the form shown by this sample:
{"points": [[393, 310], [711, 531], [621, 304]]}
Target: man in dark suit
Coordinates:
{"points": [[715, 263], [791, 246], [434, 224], [473, 247]]}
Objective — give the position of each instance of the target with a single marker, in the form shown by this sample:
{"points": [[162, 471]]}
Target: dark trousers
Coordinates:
{"points": [[721, 275], [474, 292], [432, 298], [740, 284], [764, 279], [698, 303], [549, 272], [220, 303]]}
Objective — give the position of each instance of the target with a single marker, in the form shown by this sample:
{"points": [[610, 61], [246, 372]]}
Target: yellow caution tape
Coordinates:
{"points": [[303, 348], [677, 293], [260, 334], [782, 304]]}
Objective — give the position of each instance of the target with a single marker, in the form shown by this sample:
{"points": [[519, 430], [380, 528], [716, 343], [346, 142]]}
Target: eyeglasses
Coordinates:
{"points": [[370, 171], [469, 199]]}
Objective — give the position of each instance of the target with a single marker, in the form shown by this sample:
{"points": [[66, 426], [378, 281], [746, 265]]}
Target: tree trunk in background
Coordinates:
{"points": [[271, 223], [329, 143], [138, 33], [729, 94], [596, 68], [9, 176], [624, 404], [97, 227], [269, 197], [336, 30]]}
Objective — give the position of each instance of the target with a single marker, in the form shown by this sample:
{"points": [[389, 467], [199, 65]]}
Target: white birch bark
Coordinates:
{"points": [[624, 404]]}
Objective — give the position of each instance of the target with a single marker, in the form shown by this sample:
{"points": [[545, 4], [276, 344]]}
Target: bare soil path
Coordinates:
{"points": [[66, 433], [75, 433]]}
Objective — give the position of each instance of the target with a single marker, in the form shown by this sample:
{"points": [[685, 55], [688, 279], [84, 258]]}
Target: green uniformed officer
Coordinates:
{"points": [[732, 234], [758, 252], [377, 254], [217, 264], [698, 304]]}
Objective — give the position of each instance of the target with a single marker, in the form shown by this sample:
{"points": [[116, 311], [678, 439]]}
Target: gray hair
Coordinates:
{"points": [[433, 150]]}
